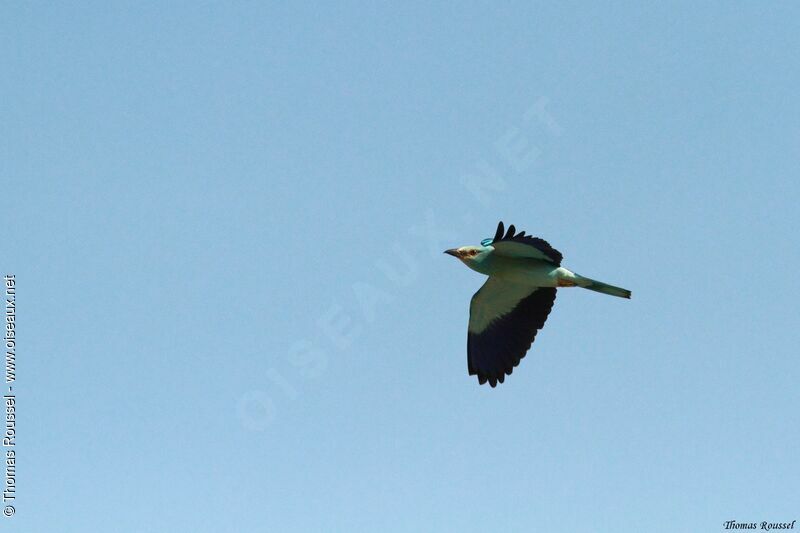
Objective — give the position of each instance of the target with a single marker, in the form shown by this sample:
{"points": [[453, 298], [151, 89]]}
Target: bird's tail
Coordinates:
{"points": [[599, 286]]}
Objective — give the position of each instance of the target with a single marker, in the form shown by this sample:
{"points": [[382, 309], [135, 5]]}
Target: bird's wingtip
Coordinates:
{"points": [[500, 231]]}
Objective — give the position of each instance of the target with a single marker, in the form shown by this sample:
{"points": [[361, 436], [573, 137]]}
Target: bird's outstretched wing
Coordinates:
{"points": [[520, 245], [503, 321]]}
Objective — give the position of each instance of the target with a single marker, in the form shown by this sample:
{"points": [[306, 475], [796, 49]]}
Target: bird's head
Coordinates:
{"points": [[470, 255]]}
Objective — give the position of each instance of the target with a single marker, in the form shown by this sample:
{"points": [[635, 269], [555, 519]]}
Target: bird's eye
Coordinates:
{"points": [[473, 252]]}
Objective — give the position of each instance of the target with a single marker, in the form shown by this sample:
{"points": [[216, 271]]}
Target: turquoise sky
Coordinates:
{"points": [[226, 223]]}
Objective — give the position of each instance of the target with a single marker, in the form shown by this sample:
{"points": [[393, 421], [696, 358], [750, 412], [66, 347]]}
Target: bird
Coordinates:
{"points": [[513, 304]]}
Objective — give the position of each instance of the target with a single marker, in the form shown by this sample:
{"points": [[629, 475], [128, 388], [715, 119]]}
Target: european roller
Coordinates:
{"points": [[512, 306]]}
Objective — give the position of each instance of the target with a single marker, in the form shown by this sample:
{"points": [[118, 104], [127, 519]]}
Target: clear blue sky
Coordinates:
{"points": [[226, 222]]}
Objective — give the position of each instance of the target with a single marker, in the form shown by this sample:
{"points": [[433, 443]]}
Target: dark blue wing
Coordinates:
{"points": [[520, 245], [504, 320]]}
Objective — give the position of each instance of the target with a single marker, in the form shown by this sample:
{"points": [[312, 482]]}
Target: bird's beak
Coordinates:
{"points": [[453, 252]]}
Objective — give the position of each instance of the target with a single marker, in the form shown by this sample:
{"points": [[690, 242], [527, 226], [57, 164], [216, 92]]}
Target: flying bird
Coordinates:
{"points": [[512, 306]]}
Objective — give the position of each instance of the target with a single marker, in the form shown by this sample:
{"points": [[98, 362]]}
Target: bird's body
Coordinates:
{"points": [[513, 304], [523, 270]]}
